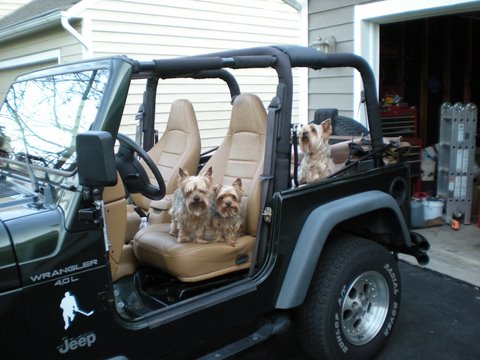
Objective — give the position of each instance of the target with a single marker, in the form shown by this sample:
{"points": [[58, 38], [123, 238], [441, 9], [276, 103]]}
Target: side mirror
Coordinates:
{"points": [[95, 159]]}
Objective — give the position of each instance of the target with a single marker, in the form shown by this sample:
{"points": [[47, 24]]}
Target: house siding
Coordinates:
{"points": [[332, 88], [158, 29], [151, 29], [55, 38]]}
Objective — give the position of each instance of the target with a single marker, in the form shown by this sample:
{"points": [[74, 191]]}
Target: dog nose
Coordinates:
{"points": [[196, 198], [305, 135], [228, 203]]}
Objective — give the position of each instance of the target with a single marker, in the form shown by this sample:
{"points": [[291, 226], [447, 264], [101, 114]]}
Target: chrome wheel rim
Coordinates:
{"points": [[365, 307]]}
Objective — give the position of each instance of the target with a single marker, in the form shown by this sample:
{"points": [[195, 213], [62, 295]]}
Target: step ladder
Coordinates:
{"points": [[456, 158]]}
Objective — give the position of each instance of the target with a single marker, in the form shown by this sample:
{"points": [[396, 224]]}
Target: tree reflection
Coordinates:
{"points": [[40, 118]]}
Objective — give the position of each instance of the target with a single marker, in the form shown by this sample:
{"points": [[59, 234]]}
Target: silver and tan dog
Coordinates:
{"points": [[317, 162]]}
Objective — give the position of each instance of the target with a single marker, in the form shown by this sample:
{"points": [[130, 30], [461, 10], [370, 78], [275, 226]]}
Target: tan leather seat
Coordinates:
{"points": [[121, 256], [178, 147], [240, 155]]}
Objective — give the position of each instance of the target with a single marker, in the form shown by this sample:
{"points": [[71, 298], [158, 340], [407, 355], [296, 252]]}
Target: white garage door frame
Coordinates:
{"points": [[367, 20]]}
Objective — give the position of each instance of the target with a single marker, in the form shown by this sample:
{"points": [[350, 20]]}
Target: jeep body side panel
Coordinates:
{"points": [[317, 228], [15, 336], [310, 226], [8, 267]]}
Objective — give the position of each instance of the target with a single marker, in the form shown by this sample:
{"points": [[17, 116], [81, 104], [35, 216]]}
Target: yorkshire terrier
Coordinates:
{"points": [[226, 221], [190, 211], [317, 162]]}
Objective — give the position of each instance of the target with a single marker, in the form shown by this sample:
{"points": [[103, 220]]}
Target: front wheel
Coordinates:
{"points": [[352, 303]]}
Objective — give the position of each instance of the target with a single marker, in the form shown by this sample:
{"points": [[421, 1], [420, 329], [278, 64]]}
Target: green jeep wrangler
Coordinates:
{"points": [[80, 279]]}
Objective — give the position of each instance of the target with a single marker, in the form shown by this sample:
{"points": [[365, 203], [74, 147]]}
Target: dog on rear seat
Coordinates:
{"points": [[190, 211], [227, 224], [317, 162]]}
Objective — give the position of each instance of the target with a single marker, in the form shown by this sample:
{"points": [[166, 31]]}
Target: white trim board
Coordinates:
{"points": [[32, 59], [368, 17]]}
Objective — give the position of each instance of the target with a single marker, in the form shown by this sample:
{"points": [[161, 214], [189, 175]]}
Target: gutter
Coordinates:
{"points": [[31, 26]]}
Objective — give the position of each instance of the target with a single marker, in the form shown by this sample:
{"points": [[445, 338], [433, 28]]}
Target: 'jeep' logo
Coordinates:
{"points": [[87, 340]]}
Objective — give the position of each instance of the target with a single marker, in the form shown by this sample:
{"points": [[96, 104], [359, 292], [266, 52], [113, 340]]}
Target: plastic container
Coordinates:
{"points": [[433, 208], [417, 218]]}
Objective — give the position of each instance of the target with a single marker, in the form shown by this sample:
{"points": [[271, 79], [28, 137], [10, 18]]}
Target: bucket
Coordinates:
{"points": [[433, 208]]}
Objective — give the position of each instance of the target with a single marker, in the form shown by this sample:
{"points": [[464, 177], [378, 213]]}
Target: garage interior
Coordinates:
{"points": [[423, 64], [426, 76]]}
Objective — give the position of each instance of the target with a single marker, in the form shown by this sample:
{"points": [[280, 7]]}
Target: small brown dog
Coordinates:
{"points": [[226, 221], [191, 206], [317, 162]]}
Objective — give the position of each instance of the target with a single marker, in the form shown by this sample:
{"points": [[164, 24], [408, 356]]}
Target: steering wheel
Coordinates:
{"points": [[133, 174]]}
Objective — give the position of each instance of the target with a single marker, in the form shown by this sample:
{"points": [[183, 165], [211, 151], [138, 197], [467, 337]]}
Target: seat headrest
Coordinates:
{"points": [[180, 111], [248, 115]]}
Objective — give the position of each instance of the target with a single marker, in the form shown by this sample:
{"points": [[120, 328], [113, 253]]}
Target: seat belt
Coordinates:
{"points": [[139, 117], [295, 152], [266, 180]]}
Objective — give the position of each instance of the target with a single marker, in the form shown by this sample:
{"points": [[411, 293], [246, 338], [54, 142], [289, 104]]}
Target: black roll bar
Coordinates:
{"points": [[310, 57], [281, 59]]}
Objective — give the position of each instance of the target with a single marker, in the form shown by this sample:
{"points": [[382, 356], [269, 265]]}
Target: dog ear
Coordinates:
{"points": [[237, 183], [182, 174], [209, 172], [327, 127], [216, 188]]}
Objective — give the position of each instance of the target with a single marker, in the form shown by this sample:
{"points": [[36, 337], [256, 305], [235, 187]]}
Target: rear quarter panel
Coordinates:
{"points": [[292, 208]]}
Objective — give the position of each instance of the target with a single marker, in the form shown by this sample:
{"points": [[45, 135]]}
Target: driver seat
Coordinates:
{"points": [[240, 155], [179, 147]]}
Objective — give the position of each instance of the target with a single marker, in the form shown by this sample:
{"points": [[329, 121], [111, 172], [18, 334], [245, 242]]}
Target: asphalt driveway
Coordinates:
{"points": [[439, 319]]}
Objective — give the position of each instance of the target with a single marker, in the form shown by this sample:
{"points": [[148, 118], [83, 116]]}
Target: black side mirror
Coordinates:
{"points": [[95, 159]]}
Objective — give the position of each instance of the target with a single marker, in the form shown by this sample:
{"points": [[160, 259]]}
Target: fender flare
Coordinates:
{"points": [[315, 231]]}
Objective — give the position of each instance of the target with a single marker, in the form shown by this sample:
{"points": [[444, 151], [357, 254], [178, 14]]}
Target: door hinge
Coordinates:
{"points": [[89, 215]]}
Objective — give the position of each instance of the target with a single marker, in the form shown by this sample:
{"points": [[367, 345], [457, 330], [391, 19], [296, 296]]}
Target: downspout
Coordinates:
{"points": [[65, 17], [296, 4], [73, 13]]}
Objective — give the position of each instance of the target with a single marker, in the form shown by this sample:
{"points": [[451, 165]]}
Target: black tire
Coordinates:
{"points": [[356, 288], [343, 125]]}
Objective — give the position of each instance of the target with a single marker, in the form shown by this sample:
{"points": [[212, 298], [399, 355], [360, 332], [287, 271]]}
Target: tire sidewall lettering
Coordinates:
{"points": [[339, 334], [387, 271], [345, 260]]}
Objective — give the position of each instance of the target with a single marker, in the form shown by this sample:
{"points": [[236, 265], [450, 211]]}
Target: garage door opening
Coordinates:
{"points": [[426, 62]]}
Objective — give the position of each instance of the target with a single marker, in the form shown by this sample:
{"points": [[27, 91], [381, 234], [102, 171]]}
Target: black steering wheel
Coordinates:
{"points": [[133, 174]]}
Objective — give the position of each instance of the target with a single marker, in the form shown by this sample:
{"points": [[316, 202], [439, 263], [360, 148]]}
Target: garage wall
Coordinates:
{"points": [[42, 49], [332, 88]]}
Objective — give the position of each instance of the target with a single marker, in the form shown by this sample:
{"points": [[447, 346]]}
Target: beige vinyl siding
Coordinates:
{"points": [[7, 7], [332, 88], [150, 29], [33, 47], [52, 39]]}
